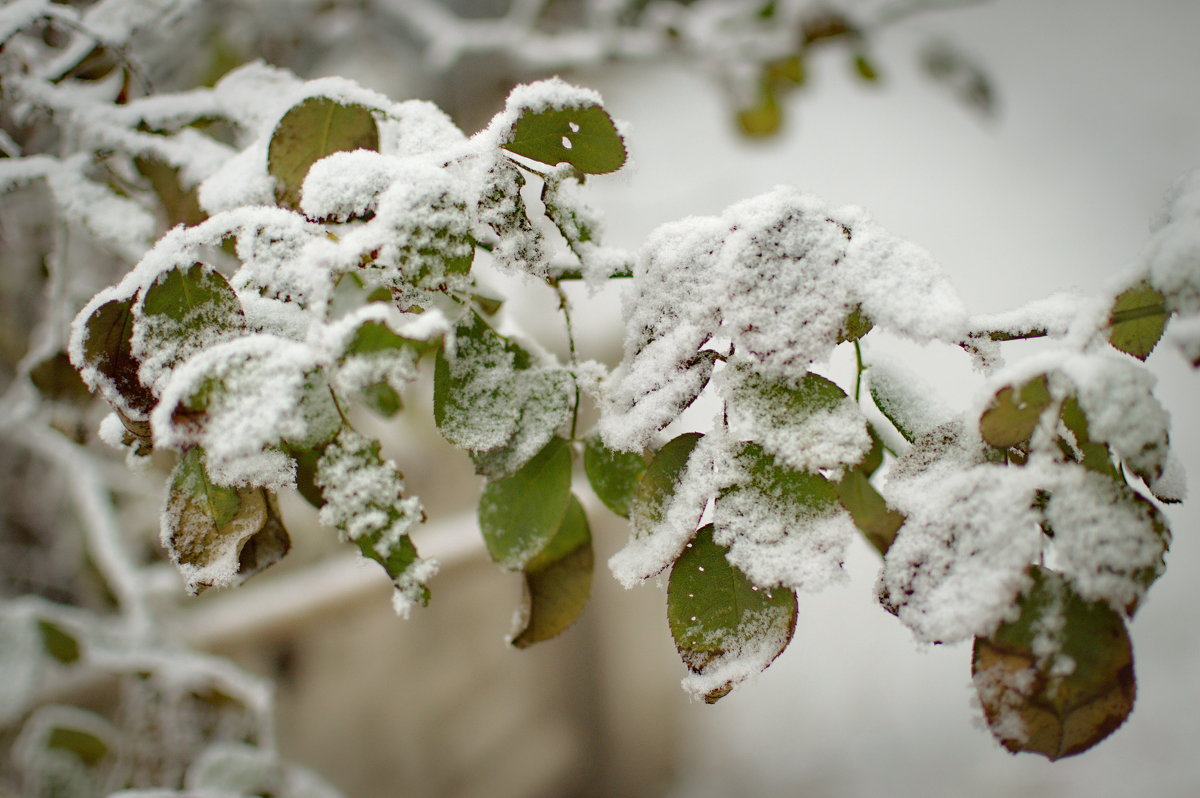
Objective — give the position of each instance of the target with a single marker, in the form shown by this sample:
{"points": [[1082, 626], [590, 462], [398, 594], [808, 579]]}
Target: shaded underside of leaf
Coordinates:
{"points": [[218, 535], [557, 581], [1012, 415], [107, 348], [878, 522]]}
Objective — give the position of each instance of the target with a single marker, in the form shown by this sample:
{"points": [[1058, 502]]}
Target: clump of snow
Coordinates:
{"points": [[346, 184], [1185, 335], [806, 424], [904, 397], [1108, 541], [655, 543], [960, 558], [777, 275], [251, 389], [1118, 398]]}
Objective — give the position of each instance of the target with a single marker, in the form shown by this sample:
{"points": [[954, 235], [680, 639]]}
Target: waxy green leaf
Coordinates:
{"points": [[1058, 679], [583, 136], [725, 628], [317, 127], [520, 514]]}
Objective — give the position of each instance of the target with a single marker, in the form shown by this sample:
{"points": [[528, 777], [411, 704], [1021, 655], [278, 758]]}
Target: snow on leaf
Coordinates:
{"points": [[960, 557], [420, 235], [805, 424], [364, 500], [521, 247], [781, 526], [345, 185], [519, 514], [557, 581], [905, 400], [317, 127], [1058, 677], [726, 628], [182, 312], [491, 399], [1118, 398], [218, 536], [670, 498], [1109, 541], [240, 400]]}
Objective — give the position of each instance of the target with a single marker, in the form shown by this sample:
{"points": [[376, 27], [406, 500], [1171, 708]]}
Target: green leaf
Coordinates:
{"points": [[725, 627], [583, 136], [85, 745], [864, 67], [107, 349], [58, 643], [362, 496], [218, 536], [317, 127], [613, 475], [657, 485], [878, 522], [181, 206], [1059, 678], [1138, 318], [58, 381], [857, 325], [520, 513], [1013, 414], [764, 119], [558, 581]]}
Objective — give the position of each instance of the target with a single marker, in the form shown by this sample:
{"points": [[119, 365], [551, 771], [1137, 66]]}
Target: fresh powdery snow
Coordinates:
{"points": [[776, 275]]}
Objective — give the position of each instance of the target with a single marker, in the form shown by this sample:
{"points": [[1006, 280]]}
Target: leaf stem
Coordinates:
{"points": [[858, 365], [565, 306]]}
